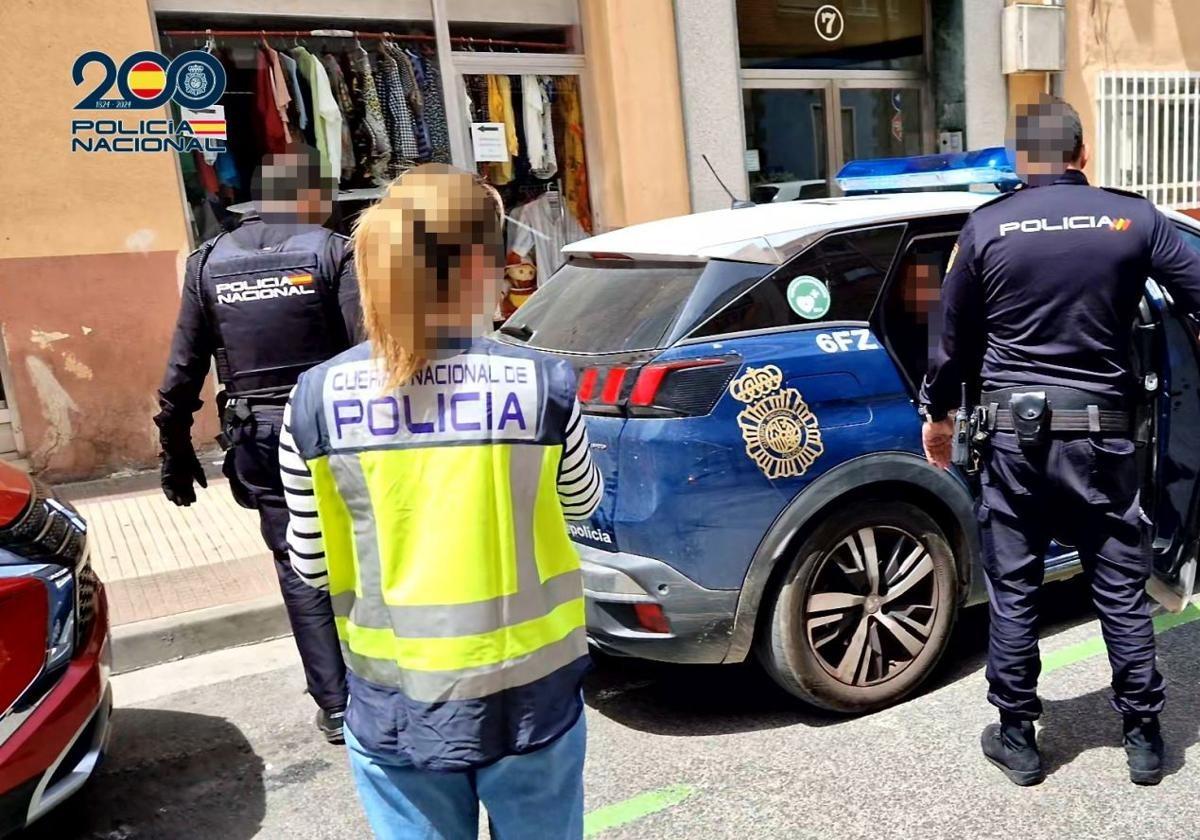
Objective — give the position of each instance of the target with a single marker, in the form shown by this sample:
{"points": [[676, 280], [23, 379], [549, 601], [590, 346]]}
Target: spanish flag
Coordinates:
{"points": [[301, 279], [147, 80], [208, 127]]}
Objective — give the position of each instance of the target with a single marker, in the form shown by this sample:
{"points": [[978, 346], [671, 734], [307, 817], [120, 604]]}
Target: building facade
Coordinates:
{"points": [[655, 108]]}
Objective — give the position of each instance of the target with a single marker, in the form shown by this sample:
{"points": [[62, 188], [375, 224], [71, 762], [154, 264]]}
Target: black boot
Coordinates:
{"points": [[330, 724], [1012, 746], [1144, 749]]}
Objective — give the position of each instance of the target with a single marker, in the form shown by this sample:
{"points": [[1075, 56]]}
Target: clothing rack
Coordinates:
{"points": [[345, 33]]}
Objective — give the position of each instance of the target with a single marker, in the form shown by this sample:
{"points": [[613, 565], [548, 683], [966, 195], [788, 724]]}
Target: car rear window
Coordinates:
{"points": [[606, 306]]}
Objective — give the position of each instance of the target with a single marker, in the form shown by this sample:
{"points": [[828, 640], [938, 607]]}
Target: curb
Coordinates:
{"points": [[158, 640]]}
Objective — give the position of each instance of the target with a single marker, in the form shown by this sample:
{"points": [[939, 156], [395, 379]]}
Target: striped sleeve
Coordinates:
{"points": [[580, 486], [306, 547]]}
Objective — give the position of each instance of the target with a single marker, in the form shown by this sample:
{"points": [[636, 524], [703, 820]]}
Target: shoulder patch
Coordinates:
{"points": [[1125, 193]]}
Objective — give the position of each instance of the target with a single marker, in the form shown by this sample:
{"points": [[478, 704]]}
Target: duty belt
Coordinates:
{"points": [[1066, 409]]}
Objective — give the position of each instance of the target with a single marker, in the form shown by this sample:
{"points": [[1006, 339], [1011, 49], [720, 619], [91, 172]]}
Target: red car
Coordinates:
{"points": [[55, 699]]}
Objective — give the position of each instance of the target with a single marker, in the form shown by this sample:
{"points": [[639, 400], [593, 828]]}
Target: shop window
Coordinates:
{"points": [[854, 34], [369, 103], [837, 279], [528, 141], [911, 307]]}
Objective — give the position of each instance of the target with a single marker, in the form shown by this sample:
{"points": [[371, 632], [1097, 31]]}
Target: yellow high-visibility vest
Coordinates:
{"points": [[451, 573]]}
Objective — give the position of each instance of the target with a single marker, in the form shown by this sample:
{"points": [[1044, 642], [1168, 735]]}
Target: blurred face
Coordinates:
{"points": [[922, 289], [469, 280], [291, 190], [1043, 141]]}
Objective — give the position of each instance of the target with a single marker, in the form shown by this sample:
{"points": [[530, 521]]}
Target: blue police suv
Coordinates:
{"points": [[749, 380]]}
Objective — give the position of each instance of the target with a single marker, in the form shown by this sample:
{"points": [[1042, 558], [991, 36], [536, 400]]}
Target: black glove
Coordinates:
{"points": [[180, 468]]}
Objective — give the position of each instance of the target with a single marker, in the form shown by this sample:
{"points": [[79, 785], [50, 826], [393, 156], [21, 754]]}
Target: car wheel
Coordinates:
{"points": [[865, 610]]}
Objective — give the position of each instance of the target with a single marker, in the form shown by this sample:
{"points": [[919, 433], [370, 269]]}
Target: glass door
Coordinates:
{"points": [[880, 121], [795, 145], [788, 154]]}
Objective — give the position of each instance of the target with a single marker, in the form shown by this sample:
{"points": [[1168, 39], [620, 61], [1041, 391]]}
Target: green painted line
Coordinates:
{"points": [[629, 810], [1095, 646]]}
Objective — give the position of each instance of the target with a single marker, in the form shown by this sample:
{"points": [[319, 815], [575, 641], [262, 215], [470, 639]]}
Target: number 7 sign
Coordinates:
{"points": [[829, 22]]}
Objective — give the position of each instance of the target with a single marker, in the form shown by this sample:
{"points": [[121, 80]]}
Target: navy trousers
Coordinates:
{"points": [[252, 467], [1081, 490]]}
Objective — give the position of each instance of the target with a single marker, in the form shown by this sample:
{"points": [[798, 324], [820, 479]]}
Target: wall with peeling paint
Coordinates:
{"points": [[86, 387], [91, 252]]}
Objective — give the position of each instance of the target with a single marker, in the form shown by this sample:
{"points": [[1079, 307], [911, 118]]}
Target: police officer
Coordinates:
{"points": [[429, 473], [1039, 305], [266, 301]]}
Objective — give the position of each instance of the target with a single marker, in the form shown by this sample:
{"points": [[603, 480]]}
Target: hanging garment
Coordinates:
{"points": [[500, 110], [341, 94], [227, 171], [405, 151], [327, 117], [283, 96], [241, 145], [377, 154], [545, 226], [575, 174], [434, 114], [272, 136], [415, 99], [205, 174], [476, 103], [298, 104], [539, 127]]}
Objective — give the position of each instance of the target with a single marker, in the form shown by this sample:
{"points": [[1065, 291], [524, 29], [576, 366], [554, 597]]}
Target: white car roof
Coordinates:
{"points": [[768, 233]]}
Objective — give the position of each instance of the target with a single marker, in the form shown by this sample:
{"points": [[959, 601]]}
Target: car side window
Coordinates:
{"points": [[837, 279], [911, 310]]}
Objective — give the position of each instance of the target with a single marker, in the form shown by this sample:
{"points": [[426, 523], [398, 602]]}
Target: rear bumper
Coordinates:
{"points": [[701, 620], [60, 742]]}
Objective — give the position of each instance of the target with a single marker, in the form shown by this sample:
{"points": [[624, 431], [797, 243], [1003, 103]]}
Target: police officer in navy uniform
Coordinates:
{"points": [[267, 301], [1039, 307]]}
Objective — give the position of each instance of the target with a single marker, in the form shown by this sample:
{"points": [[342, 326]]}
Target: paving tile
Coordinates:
{"points": [[157, 559], [184, 590]]}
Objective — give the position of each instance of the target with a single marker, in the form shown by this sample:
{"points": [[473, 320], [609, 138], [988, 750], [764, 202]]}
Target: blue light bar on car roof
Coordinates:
{"points": [[954, 169]]}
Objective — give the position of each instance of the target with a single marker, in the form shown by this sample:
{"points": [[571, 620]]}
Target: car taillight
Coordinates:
{"points": [[16, 489], [36, 525], [603, 387], [652, 618], [650, 380], [612, 385], [681, 388], [24, 623], [587, 384]]}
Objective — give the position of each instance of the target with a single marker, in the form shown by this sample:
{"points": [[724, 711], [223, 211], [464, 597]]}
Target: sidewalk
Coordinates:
{"points": [[168, 567]]}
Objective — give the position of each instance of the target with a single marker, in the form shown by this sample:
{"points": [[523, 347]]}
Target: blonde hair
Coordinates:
{"points": [[396, 244]]}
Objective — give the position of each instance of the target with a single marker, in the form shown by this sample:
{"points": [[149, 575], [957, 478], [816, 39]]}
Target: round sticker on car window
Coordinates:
{"points": [[808, 297]]}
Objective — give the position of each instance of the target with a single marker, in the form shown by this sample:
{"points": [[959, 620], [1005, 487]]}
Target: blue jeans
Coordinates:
{"points": [[539, 794]]}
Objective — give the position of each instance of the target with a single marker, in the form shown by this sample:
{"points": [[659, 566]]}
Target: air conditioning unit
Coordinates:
{"points": [[1035, 39]]}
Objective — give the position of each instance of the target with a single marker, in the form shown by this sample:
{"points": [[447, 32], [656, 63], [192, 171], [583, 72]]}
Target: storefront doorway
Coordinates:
{"points": [[395, 93], [823, 84]]}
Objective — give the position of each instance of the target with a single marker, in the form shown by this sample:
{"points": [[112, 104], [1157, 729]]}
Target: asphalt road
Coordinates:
{"points": [[221, 746]]}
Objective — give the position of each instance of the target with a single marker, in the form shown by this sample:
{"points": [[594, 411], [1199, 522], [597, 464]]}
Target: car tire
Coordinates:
{"points": [[844, 640]]}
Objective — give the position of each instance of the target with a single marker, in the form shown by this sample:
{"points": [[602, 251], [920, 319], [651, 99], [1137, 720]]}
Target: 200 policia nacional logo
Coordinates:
{"points": [[781, 432], [146, 81]]}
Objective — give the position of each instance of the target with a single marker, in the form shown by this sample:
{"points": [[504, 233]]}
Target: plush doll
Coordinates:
{"points": [[520, 281]]}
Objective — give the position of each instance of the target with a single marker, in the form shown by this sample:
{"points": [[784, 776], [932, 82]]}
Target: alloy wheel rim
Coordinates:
{"points": [[872, 605]]}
